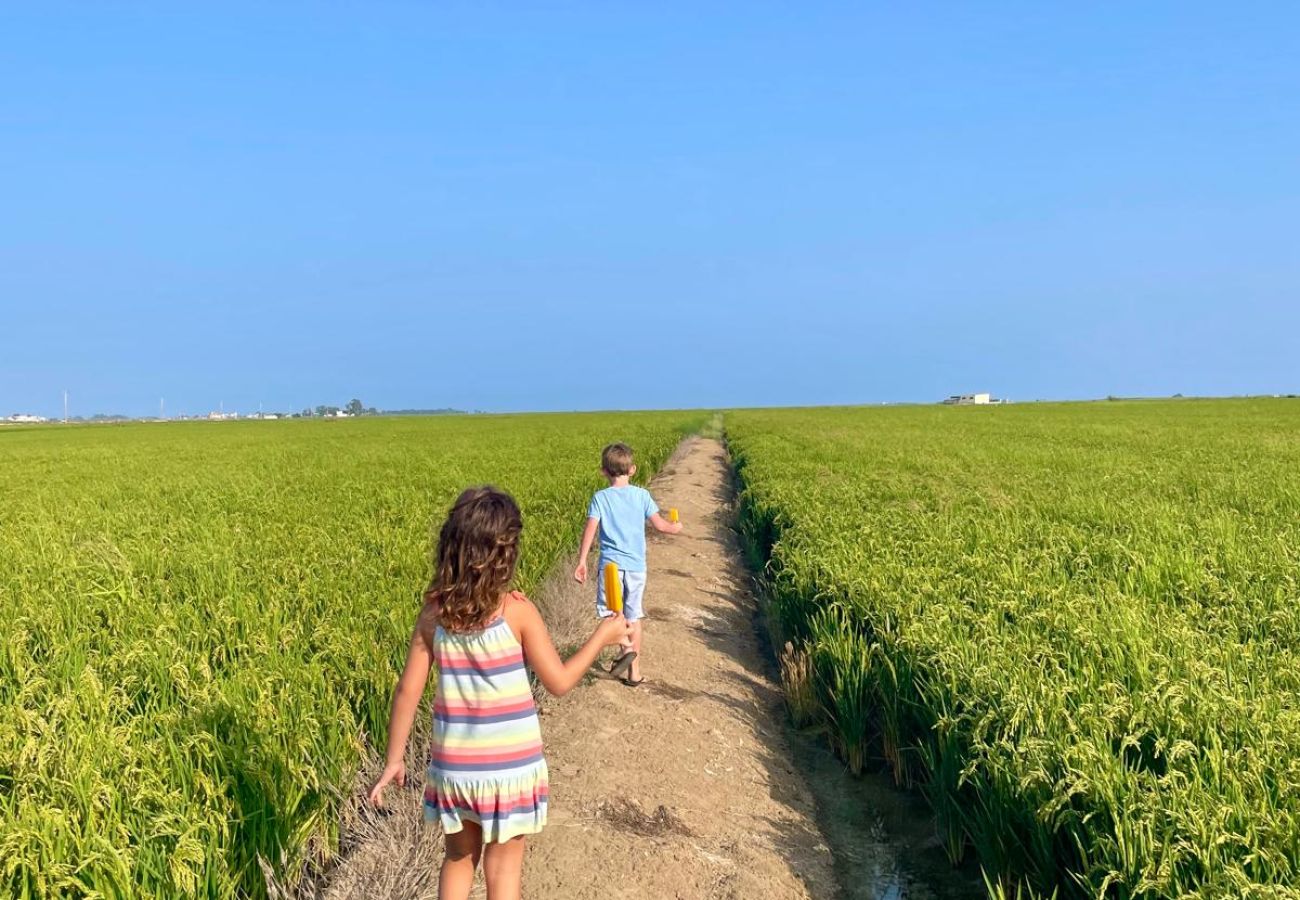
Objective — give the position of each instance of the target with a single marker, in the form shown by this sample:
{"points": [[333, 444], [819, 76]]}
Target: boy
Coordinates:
{"points": [[619, 513]]}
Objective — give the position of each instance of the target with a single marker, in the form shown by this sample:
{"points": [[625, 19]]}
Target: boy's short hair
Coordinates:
{"points": [[616, 459]]}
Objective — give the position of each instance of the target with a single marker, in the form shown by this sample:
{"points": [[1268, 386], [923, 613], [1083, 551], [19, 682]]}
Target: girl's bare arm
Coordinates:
{"points": [[406, 700], [556, 675]]}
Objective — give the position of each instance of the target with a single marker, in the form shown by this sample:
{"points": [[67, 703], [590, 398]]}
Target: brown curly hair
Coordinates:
{"points": [[478, 549]]}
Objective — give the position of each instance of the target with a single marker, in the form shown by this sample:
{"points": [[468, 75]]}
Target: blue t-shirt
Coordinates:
{"points": [[622, 512]]}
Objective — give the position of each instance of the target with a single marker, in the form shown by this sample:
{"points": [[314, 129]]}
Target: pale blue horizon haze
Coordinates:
{"points": [[593, 206]]}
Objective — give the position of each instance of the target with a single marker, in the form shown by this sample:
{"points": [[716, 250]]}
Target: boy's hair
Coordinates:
{"points": [[616, 459], [478, 549]]}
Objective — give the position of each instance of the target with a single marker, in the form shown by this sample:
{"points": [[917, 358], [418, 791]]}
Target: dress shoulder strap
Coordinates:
{"points": [[511, 599]]}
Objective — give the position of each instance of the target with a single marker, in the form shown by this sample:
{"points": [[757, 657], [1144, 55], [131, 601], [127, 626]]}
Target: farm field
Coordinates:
{"points": [[202, 623], [1075, 626]]}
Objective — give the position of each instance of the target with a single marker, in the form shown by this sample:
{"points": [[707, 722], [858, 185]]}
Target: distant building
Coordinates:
{"points": [[971, 400], [25, 419]]}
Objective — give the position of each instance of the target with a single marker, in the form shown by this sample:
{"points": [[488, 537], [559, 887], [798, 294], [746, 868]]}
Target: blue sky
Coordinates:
{"points": [[570, 206]]}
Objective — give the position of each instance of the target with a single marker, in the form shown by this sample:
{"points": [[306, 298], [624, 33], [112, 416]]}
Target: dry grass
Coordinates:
{"points": [[796, 680], [567, 607], [389, 853], [627, 816]]}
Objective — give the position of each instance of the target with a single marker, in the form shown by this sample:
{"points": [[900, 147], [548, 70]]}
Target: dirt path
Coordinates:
{"points": [[684, 787]]}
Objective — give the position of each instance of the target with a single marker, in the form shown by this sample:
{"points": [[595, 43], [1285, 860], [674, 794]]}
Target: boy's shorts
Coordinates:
{"points": [[633, 593]]}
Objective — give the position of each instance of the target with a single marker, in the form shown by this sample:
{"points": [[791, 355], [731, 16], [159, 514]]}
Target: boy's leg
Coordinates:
{"points": [[503, 866], [634, 671], [634, 611], [463, 851]]}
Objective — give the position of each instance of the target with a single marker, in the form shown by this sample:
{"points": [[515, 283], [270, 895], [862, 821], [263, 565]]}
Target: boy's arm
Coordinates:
{"points": [[663, 525], [588, 538], [406, 700], [658, 522]]}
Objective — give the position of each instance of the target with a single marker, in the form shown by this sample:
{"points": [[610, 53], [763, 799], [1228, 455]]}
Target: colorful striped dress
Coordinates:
{"points": [[485, 763]]}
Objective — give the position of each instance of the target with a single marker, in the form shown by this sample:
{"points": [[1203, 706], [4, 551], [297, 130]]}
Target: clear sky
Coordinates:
{"points": [[570, 206]]}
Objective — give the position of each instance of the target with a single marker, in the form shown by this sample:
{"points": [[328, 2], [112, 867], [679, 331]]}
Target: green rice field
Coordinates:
{"points": [[202, 624], [1075, 627]]}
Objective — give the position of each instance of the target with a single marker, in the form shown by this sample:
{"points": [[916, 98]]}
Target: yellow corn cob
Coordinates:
{"points": [[672, 514], [613, 588]]}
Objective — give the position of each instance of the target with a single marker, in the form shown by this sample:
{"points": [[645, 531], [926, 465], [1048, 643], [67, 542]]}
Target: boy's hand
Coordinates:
{"points": [[663, 526], [392, 772], [580, 573], [614, 629]]}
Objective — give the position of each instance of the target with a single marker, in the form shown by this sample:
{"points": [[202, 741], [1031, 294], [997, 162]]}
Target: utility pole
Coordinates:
{"points": [[65, 406], [162, 414]]}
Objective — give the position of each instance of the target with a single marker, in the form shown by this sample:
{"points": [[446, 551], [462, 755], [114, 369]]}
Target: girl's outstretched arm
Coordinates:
{"points": [[406, 700], [557, 675]]}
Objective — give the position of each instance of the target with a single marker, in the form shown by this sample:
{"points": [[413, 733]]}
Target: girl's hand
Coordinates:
{"points": [[392, 772], [614, 629], [580, 573]]}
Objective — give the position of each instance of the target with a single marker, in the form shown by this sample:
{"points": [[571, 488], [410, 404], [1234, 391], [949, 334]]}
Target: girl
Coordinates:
{"points": [[487, 780]]}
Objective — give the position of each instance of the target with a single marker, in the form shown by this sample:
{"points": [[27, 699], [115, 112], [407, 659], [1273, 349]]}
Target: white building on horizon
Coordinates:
{"points": [[984, 399]]}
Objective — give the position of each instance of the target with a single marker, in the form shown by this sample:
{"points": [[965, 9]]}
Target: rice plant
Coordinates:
{"points": [[1076, 625], [202, 625]]}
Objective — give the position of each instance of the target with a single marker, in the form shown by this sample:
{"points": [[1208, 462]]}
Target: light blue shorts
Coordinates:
{"points": [[633, 594]]}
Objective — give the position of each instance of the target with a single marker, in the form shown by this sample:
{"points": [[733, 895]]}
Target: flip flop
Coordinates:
{"points": [[619, 667], [630, 683]]}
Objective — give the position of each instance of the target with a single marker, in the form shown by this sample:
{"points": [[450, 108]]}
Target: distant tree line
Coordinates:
{"points": [[354, 408]]}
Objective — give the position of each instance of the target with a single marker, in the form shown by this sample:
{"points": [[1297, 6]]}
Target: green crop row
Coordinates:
{"points": [[201, 625], [1075, 627]]}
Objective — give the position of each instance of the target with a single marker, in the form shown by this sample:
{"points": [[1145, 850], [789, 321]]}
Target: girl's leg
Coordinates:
{"points": [[463, 851], [503, 867]]}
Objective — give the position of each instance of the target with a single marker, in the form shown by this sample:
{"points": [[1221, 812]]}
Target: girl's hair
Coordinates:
{"points": [[478, 548]]}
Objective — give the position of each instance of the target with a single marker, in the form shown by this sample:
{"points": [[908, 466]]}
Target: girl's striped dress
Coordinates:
{"points": [[486, 763]]}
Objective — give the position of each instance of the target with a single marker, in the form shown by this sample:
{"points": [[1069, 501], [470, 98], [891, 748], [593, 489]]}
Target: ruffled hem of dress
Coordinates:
{"points": [[505, 807]]}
